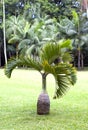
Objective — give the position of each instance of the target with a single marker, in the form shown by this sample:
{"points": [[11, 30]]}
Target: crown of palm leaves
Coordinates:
{"points": [[64, 73]]}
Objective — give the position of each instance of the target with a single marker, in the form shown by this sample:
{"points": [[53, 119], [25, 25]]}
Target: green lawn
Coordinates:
{"points": [[18, 97]]}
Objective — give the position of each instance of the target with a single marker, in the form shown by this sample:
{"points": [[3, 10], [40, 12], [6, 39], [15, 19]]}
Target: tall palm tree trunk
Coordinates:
{"points": [[84, 6], [17, 50], [79, 59], [43, 104], [82, 61], [0, 56], [5, 54]]}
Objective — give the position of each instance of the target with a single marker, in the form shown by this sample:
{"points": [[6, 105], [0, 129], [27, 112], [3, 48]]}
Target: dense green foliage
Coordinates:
{"points": [[77, 30], [32, 26]]}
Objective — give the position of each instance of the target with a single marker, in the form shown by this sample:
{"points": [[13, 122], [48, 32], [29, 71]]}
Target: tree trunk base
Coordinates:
{"points": [[43, 104]]}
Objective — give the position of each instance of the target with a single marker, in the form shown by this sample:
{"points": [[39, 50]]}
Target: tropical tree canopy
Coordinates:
{"points": [[63, 71], [27, 18], [77, 30]]}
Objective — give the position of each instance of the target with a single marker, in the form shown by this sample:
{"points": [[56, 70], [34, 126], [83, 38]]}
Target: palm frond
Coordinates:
{"points": [[50, 52], [47, 68], [23, 43], [67, 57], [67, 23], [29, 62], [26, 28], [62, 28], [11, 48], [62, 85], [75, 18], [71, 32], [49, 21], [72, 74], [14, 39], [30, 49], [65, 43], [22, 61], [9, 31], [65, 77], [11, 65]]}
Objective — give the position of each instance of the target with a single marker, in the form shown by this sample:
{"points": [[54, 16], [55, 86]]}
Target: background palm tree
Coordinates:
{"points": [[32, 36], [63, 72], [19, 31], [77, 30], [41, 31]]}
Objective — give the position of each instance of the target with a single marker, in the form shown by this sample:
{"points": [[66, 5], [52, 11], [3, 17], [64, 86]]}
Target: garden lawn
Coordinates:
{"points": [[18, 98]]}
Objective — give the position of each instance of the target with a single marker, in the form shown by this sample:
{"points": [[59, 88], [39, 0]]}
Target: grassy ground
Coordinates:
{"points": [[18, 97]]}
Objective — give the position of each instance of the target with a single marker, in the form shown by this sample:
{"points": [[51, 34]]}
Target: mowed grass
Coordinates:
{"points": [[18, 99]]}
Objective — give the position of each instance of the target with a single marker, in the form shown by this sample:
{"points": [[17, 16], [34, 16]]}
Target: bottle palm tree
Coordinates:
{"points": [[63, 72]]}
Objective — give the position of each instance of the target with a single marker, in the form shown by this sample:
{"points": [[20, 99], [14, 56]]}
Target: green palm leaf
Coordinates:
{"points": [[62, 86], [26, 61], [50, 52], [48, 68], [75, 18], [14, 39], [65, 43], [24, 43], [65, 77], [11, 65], [67, 57]]}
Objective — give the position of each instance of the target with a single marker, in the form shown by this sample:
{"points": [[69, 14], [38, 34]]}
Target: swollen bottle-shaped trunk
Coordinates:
{"points": [[43, 104]]}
